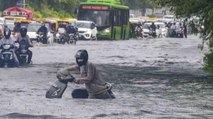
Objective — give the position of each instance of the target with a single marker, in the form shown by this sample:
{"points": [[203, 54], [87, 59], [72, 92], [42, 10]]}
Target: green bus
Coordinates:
{"points": [[110, 16]]}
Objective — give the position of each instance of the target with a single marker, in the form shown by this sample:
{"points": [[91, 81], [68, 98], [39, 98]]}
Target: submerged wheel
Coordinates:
{"points": [[80, 93]]}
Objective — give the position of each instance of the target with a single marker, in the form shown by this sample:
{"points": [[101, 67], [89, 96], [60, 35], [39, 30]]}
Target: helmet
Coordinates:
{"points": [[23, 32], [81, 57], [71, 26], [7, 33]]}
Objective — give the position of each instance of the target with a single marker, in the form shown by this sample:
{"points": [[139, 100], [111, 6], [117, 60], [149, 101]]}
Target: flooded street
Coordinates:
{"points": [[152, 79]]}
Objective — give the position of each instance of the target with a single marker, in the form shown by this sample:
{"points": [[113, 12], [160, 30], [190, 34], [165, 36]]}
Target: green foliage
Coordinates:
{"points": [[208, 60], [202, 9], [65, 8], [46, 8], [139, 4]]}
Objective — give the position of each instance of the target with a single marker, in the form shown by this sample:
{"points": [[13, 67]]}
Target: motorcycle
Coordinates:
{"points": [[179, 33], [41, 38], [7, 56], [23, 48], [172, 32], [139, 33], [67, 38], [62, 38], [72, 38], [58, 88], [153, 33]]}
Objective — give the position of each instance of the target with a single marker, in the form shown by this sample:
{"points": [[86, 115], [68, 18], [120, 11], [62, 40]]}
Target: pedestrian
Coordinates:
{"points": [[185, 29]]}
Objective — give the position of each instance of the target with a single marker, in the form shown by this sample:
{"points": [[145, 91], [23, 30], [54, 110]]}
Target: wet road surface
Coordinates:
{"points": [[152, 79]]}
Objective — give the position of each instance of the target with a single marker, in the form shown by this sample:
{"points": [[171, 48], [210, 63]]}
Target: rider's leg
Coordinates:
{"points": [[30, 53]]}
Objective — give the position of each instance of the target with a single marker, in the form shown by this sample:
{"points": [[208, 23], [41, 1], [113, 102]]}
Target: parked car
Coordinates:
{"points": [[87, 29]]}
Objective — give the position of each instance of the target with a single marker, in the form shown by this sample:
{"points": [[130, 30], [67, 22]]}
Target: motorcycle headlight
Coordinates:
{"points": [[6, 47], [107, 30]]}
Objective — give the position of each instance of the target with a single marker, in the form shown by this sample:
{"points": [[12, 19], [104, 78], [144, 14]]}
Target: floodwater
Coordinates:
{"points": [[152, 79]]}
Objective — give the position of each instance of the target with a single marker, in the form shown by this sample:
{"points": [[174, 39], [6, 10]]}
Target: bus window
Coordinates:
{"points": [[117, 18], [125, 16], [111, 18], [101, 18]]}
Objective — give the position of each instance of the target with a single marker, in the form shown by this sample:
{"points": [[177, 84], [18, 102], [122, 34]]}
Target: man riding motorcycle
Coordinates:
{"points": [[153, 29], [7, 39], [43, 31], [139, 30], [86, 73], [23, 36], [70, 29]]}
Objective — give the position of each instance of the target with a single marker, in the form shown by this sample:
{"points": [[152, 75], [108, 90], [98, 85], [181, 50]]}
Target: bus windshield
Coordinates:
{"points": [[101, 18]]}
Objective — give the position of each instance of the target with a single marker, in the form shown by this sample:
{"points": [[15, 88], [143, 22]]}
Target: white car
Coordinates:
{"points": [[161, 26], [87, 29], [168, 18], [146, 31], [32, 29], [2, 20]]}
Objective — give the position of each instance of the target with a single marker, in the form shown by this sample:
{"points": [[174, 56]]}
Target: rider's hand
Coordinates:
{"points": [[65, 77], [76, 81]]}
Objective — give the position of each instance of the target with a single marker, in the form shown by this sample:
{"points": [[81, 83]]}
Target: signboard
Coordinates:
{"points": [[88, 7]]}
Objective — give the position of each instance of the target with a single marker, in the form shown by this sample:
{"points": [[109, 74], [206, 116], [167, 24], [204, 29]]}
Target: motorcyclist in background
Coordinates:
{"points": [[88, 75], [185, 28], [43, 29], [70, 29], [139, 30], [153, 29], [7, 39], [153, 26], [23, 36], [173, 27]]}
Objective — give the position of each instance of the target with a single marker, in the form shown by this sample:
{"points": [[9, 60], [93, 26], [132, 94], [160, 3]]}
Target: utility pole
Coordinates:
{"points": [[23, 2]]}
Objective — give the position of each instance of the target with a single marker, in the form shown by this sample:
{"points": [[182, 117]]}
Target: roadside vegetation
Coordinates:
{"points": [[202, 9], [46, 8]]}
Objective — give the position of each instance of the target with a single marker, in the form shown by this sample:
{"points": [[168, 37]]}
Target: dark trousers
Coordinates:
{"points": [[185, 33]]}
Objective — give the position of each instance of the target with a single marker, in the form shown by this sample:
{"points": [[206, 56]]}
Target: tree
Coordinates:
{"points": [[46, 8], [139, 4]]}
